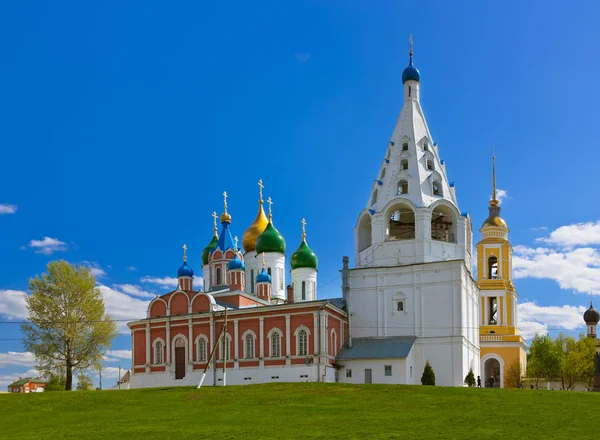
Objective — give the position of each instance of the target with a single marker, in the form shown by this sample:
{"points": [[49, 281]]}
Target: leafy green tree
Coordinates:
{"points": [[56, 383], [514, 375], [428, 377], [67, 326], [546, 358], [84, 382], [470, 378]]}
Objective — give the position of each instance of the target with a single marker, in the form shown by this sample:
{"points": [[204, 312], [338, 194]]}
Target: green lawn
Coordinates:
{"points": [[303, 411]]}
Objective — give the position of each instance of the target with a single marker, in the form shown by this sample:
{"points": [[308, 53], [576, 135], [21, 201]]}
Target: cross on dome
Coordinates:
{"points": [[270, 202], [261, 186], [184, 253], [215, 216], [225, 201], [235, 239], [303, 229], [410, 54]]}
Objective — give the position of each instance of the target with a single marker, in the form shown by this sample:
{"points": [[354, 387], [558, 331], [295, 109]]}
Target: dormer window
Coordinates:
{"points": [[425, 147], [382, 174], [374, 198], [404, 164], [403, 187], [430, 164], [437, 189], [405, 146]]}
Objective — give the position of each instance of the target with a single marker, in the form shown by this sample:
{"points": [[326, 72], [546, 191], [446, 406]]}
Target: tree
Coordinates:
{"points": [[470, 378], [84, 383], [546, 358], [56, 383], [67, 326], [514, 375], [578, 359], [428, 377]]}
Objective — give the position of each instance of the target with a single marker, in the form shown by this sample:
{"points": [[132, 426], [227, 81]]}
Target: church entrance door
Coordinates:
{"points": [[368, 376], [179, 359]]}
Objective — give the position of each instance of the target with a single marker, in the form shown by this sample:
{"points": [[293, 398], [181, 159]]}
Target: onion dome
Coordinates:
{"points": [[213, 243], [591, 315], [263, 277], [304, 256], [411, 73], [255, 229], [495, 221], [185, 270], [270, 240], [236, 263]]}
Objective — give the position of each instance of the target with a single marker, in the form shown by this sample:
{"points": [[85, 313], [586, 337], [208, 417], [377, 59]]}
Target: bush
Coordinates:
{"points": [[56, 383], [428, 377], [514, 375], [470, 379]]}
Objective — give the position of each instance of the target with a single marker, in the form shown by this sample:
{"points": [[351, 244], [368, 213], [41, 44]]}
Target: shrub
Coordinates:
{"points": [[428, 377], [470, 378]]}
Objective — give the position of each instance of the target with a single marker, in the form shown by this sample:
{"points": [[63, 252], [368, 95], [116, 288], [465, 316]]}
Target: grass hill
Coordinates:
{"points": [[303, 411]]}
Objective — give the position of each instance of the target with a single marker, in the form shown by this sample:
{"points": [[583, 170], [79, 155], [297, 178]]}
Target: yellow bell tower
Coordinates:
{"points": [[501, 345]]}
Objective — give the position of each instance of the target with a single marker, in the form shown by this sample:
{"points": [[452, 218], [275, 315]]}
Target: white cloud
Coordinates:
{"points": [[95, 269], [163, 282], [501, 195], [131, 268], [25, 358], [131, 289], [577, 269], [12, 304], [534, 318], [47, 246], [112, 372], [302, 57], [578, 234], [123, 307], [539, 228], [8, 209], [123, 354]]}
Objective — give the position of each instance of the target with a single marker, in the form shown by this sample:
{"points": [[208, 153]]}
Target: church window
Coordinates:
{"points": [[403, 187], [225, 347], [333, 345], [405, 146], [425, 147], [402, 224], [443, 225], [387, 370], [303, 290], [252, 281], [430, 164], [201, 350], [436, 188], [348, 373], [269, 271], [409, 90], [249, 346], [158, 352], [382, 174], [493, 310], [400, 306], [374, 198], [492, 268], [275, 345], [302, 343], [404, 164], [218, 276]]}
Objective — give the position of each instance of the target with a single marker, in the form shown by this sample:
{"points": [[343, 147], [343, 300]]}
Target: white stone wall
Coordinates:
{"points": [[403, 371], [309, 276], [276, 262]]}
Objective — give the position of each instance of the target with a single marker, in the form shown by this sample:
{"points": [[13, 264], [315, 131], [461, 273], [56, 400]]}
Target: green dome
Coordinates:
{"points": [[304, 257], [208, 249], [270, 241]]}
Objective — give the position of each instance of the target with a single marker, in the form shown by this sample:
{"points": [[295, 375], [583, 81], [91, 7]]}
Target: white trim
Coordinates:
{"points": [[270, 334], [186, 354], [175, 294], [307, 330], [203, 337], [228, 344], [243, 339], [153, 357], [158, 298]]}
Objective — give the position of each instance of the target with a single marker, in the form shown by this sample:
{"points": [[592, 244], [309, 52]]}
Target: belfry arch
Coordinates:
{"points": [[443, 224], [364, 232], [401, 222]]}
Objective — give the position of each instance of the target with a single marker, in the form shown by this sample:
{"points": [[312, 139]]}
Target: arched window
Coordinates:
{"points": [[443, 227], [374, 197], [364, 232], [436, 188], [159, 352], [405, 146], [275, 345], [333, 343], [269, 271], [492, 268], [404, 164], [249, 346], [201, 350], [402, 224], [430, 164], [252, 281], [226, 344], [403, 187], [302, 343], [425, 147], [303, 290], [218, 276]]}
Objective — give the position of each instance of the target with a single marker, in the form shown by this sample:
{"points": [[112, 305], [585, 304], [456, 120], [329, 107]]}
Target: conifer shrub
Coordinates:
{"points": [[470, 378], [428, 377]]}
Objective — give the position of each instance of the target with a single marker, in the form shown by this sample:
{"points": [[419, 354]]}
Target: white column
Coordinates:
{"points": [[236, 344], [212, 333], [262, 340], [324, 334], [190, 343], [148, 347], [316, 332], [168, 342], [288, 351]]}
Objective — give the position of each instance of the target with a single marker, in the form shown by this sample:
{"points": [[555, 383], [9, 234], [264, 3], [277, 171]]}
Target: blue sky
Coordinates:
{"points": [[123, 123]]}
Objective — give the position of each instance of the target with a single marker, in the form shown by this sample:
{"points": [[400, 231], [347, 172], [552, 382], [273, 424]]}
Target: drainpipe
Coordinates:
{"points": [[346, 295], [319, 338]]}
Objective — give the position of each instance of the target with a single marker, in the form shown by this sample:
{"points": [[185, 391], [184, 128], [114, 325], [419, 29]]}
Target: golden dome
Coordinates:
{"points": [[225, 217], [494, 221], [256, 228]]}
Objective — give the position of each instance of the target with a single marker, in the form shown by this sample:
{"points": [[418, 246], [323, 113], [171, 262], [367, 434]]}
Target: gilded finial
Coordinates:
{"points": [[270, 202], [303, 229], [260, 186], [494, 200], [184, 253], [214, 216], [225, 217], [235, 239], [410, 53], [263, 260]]}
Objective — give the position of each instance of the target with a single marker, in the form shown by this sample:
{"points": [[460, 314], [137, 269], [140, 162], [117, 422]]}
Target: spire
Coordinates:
{"points": [[494, 200], [225, 217]]}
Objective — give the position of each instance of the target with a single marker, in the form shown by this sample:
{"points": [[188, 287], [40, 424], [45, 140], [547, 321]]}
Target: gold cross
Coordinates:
{"points": [[263, 260], [303, 228], [270, 202], [261, 186], [225, 200], [235, 239], [184, 253]]}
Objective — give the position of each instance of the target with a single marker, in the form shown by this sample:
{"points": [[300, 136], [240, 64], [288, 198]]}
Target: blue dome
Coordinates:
{"points": [[236, 263], [185, 271], [263, 277], [411, 73]]}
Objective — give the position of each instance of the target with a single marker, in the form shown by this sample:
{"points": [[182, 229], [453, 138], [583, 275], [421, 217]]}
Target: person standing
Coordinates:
{"points": [[492, 381], [478, 381]]}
